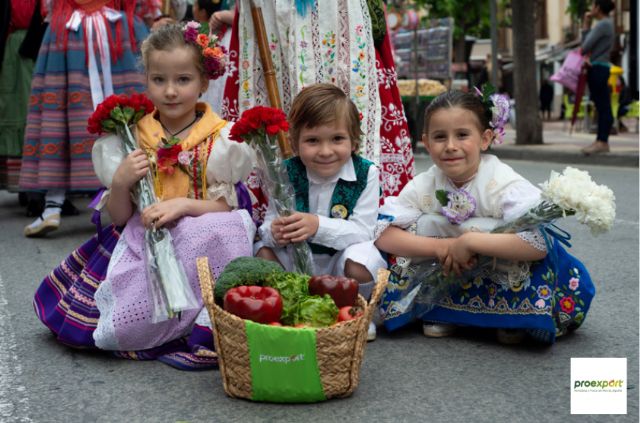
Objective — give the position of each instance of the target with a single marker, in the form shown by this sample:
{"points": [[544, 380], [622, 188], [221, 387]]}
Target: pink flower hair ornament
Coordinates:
{"points": [[214, 56], [497, 107]]}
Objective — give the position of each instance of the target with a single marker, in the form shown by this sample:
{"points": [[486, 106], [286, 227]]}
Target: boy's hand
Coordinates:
{"points": [[163, 213], [299, 227], [277, 232], [132, 169]]}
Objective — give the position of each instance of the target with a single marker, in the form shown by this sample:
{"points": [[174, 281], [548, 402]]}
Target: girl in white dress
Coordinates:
{"points": [[481, 192]]}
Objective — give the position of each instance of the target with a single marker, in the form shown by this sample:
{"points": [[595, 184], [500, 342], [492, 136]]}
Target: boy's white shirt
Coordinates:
{"points": [[333, 232]]}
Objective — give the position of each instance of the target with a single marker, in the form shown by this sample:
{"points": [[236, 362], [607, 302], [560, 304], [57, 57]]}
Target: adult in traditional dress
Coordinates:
{"points": [[340, 42], [89, 52]]}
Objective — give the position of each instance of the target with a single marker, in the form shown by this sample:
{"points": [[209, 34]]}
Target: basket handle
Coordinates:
{"points": [[381, 284], [207, 282], [378, 290]]}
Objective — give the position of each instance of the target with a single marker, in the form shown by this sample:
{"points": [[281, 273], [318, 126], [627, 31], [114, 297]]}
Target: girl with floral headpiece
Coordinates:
{"points": [[197, 173], [447, 212]]}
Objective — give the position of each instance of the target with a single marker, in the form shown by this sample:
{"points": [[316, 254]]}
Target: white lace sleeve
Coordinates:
{"points": [[229, 163], [106, 155], [518, 198], [533, 238]]}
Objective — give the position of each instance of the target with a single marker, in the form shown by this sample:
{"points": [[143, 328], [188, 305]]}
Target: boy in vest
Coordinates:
{"points": [[337, 192]]}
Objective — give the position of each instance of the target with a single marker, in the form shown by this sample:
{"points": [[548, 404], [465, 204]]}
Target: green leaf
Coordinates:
{"points": [[117, 115], [108, 125], [128, 114], [443, 197], [139, 114], [487, 91]]}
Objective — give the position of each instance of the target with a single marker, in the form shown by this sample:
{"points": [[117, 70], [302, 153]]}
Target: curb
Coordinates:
{"points": [[563, 156], [548, 153]]}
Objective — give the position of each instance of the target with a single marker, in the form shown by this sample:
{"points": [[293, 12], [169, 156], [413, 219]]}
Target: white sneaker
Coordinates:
{"points": [[510, 336], [371, 332], [438, 330], [40, 227]]}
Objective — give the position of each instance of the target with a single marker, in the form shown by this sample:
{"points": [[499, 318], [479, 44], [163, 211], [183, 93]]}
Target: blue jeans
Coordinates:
{"points": [[597, 78]]}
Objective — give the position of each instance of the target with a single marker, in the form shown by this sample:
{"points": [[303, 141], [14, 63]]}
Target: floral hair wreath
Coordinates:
{"points": [[214, 56], [497, 109]]}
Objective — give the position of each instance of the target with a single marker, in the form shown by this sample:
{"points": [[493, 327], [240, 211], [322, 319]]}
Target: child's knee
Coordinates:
{"points": [[267, 254], [357, 271]]}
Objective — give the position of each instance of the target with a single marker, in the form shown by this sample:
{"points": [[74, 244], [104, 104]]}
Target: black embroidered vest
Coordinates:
{"points": [[343, 200]]}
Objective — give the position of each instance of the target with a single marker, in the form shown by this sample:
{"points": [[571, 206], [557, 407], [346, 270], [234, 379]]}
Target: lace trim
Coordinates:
{"points": [[105, 333], [223, 190], [249, 225], [512, 275], [381, 225], [533, 238]]}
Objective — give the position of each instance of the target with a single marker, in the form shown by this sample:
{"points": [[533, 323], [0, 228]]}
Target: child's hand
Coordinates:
{"points": [[442, 248], [163, 213], [277, 232], [299, 226], [460, 256], [132, 169]]}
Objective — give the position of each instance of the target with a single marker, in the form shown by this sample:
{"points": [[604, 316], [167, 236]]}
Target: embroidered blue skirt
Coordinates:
{"points": [[553, 301]]}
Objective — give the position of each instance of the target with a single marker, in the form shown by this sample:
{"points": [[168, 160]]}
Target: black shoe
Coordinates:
{"points": [[68, 209], [35, 204], [23, 199]]}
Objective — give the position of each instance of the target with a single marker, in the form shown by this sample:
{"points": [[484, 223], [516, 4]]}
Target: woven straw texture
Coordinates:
{"points": [[339, 348]]}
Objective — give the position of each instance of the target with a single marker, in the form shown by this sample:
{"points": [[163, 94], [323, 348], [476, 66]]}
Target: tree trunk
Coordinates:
{"points": [[528, 123]]}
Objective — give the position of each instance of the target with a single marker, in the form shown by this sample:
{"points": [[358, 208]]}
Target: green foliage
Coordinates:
{"points": [[577, 8], [470, 17], [293, 288]]}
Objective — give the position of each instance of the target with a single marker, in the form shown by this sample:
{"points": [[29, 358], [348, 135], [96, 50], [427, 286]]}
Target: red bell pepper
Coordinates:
{"points": [[261, 304], [343, 290]]}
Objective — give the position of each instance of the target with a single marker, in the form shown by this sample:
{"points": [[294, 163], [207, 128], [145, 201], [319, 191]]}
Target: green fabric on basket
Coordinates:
{"points": [[283, 361]]}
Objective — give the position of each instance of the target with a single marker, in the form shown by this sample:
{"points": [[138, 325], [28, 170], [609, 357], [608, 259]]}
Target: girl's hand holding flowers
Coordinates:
{"points": [[133, 168], [160, 214]]}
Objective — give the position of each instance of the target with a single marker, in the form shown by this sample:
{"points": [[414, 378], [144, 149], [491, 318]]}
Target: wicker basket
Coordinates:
{"points": [[339, 348]]}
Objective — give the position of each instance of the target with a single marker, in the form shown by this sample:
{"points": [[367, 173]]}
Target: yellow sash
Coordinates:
{"points": [[149, 133]]}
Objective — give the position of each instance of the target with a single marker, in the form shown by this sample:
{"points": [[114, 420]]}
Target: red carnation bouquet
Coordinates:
{"points": [[259, 126], [258, 122], [169, 287]]}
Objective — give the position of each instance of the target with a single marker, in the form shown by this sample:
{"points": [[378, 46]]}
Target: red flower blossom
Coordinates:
{"points": [[168, 158], [567, 304], [111, 112], [258, 121]]}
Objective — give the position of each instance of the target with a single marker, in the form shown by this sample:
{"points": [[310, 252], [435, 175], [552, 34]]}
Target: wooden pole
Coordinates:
{"points": [[166, 7], [269, 73]]}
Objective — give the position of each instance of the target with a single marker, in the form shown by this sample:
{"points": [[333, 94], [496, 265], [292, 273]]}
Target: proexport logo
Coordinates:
{"points": [[281, 358], [599, 385], [612, 385]]}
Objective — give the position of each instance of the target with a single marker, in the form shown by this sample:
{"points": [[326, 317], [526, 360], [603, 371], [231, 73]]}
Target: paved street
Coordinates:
{"points": [[405, 377]]}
